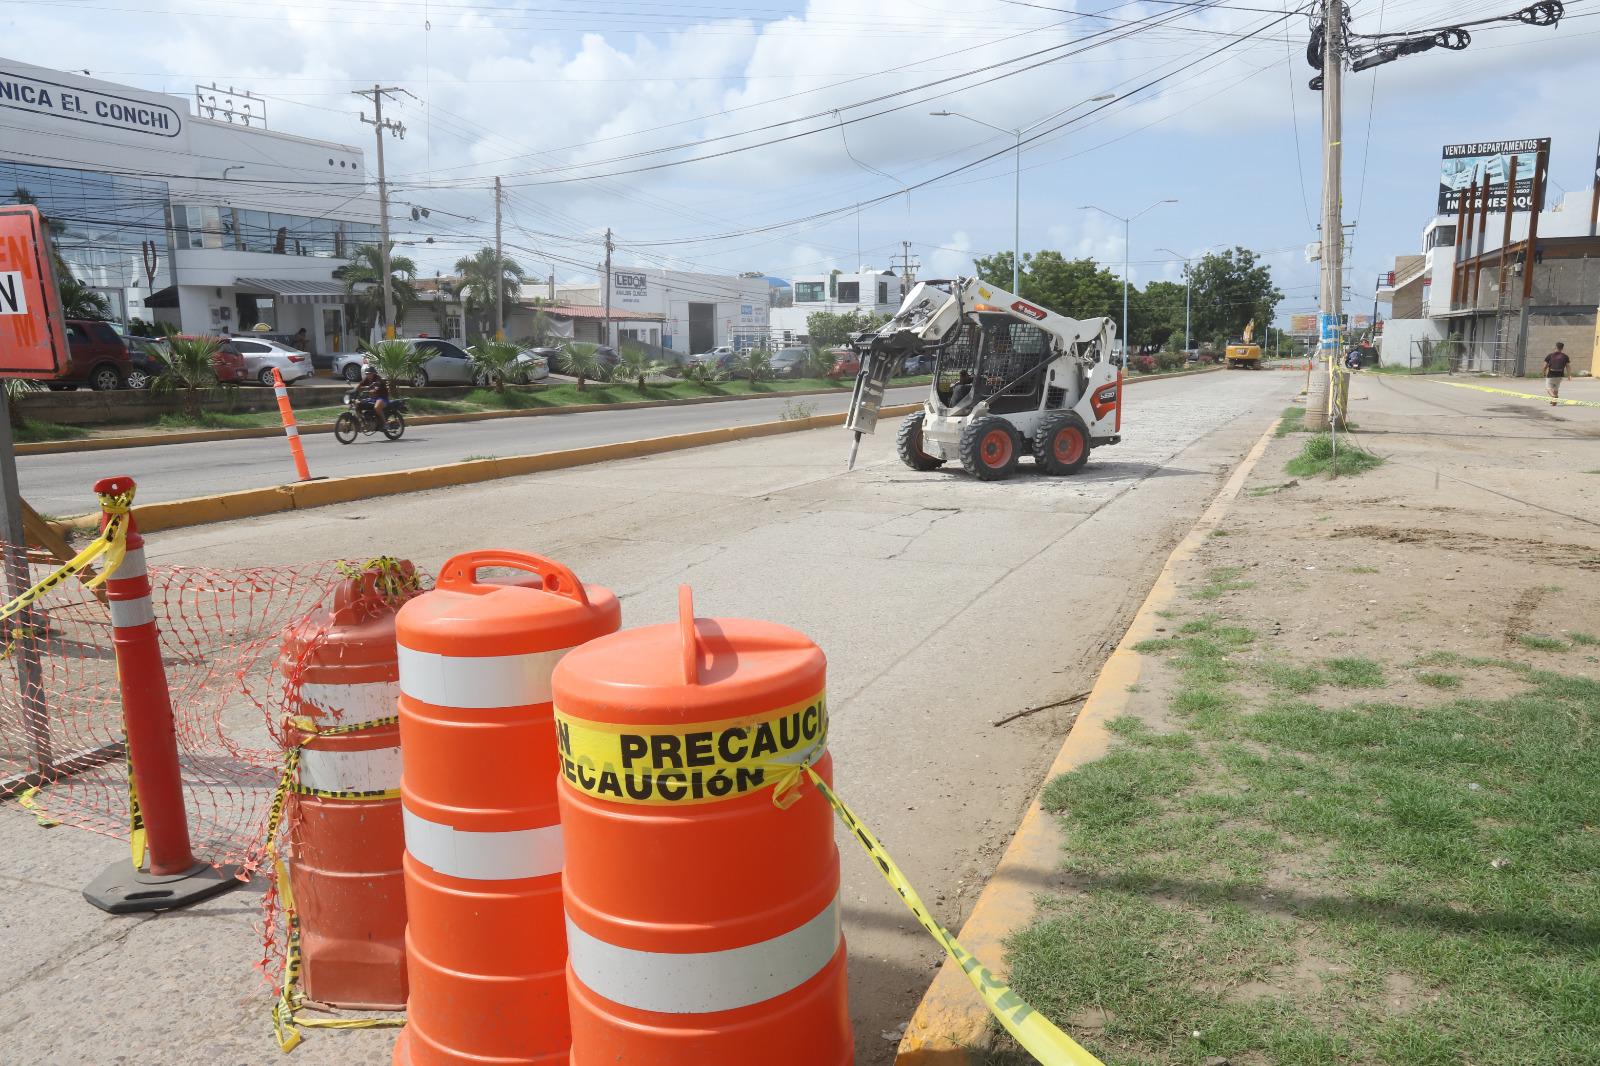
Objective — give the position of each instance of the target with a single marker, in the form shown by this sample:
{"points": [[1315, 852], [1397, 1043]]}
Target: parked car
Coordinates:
{"points": [[918, 364], [448, 364], [533, 364], [144, 354], [790, 362], [720, 358], [226, 362], [262, 357], [97, 357], [846, 362]]}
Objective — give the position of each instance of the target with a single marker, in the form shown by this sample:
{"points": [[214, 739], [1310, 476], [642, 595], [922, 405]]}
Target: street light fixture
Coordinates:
{"points": [[1016, 215], [1185, 259], [1126, 224]]}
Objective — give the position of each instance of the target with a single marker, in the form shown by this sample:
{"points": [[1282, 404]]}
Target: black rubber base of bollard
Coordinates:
{"points": [[122, 889]]}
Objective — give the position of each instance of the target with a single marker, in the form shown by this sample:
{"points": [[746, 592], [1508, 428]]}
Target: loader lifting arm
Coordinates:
{"points": [[930, 320]]}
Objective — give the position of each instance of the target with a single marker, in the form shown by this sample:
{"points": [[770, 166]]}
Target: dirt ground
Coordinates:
{"points": [[1457, 576]]}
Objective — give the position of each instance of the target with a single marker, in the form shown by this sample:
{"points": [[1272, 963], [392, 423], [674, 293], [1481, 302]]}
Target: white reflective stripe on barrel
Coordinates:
{"points": [[502, 856], [342, 705], [706, 981], [375, 770], [478, 682], [126, 613], [132, 564], [291, 431]]}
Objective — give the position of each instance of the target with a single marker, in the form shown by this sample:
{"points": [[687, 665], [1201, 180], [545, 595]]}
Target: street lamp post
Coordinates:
{"points": [[1186, 280], [1016, 195], [1127, 224]]}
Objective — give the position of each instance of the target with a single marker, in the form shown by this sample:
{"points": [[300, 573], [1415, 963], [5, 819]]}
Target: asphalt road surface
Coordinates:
{"points": [[944, 605], [60, 484]]}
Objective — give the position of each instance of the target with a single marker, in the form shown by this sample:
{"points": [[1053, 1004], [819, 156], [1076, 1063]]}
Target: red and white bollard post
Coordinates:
{"points": [[174, 877], [290, 429]]}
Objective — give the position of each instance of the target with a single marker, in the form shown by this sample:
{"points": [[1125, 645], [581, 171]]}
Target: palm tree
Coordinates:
{"points": [[16, 388], [482, 279], [756, 364], [80, 301], [188, 368], [636, 363], [582, 361], [395, 361], [363, 281], [494, 359]]}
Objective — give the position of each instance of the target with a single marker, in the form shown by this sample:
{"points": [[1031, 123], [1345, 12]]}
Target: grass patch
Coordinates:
{"points": [[1354, 672], [1584, 640], [1221, 580], [1293, 421], [214, 420], [31, 432], [1437, 679], [1362, 570], [1541, 643], [1411, 885], [1319, 456], [1290, 678]]}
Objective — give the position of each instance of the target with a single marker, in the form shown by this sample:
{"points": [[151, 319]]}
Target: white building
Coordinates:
{"points": [[870, 292], [183, 216], [689, 312]]}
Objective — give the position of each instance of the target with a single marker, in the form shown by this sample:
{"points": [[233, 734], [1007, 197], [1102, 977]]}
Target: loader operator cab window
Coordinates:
{"points": [[1001, 361]]}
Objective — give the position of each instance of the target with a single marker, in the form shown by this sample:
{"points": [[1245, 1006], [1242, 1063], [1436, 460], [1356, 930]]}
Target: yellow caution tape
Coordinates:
{"points": [[26, 801], [136, 831], [1518, 395], [112, 543], [1029, 1028], [287, 1019], [699, 763]]}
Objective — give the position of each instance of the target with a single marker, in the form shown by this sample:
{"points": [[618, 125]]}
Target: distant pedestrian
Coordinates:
{"points": [[1555, 368], [300, 340]]}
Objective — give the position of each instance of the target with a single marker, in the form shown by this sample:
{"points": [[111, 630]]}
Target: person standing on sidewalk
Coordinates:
{"points": [[1555, 368]]}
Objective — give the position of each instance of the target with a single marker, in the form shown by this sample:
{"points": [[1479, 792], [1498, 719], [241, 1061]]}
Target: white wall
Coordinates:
{"points": [[1396, 348]]}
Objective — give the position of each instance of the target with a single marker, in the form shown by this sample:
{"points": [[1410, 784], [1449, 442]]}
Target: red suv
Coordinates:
{"points": [[98, 357]]}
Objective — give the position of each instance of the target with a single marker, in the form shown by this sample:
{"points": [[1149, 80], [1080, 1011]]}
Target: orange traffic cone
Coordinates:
{"points": [[485, 944], [701, 879]]}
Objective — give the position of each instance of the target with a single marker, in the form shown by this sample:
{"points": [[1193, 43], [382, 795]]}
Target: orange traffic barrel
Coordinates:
{"points": [[346, 838], [485, 945], [701, 881]]}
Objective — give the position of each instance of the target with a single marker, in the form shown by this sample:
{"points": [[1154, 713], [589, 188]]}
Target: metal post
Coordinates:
{"points": [[1126, 230], [1505, 245], [608, 286], [1016, 224], [499, 270], [1483, 233], [1187, 282], [175, 877], [1469, 240], [30, 675], [1319, 396]]}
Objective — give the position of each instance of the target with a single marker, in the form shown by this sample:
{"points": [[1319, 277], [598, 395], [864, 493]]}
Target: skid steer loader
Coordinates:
{"points": [[1009, 378]]}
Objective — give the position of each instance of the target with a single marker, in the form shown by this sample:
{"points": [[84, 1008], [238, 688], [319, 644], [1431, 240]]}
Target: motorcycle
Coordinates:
{"points": [[362, 417]]}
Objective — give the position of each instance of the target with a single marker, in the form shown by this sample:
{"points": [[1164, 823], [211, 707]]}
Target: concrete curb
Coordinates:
{"points": [[206, 436], [951, 1022], [251, 503]]}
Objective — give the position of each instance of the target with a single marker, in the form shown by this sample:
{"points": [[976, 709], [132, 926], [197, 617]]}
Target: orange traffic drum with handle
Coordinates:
{"points": [[701, 881], [344, 823], [485, 942]]}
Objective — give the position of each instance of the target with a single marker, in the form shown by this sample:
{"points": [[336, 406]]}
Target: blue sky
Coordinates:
{"points": [[570, 100]]}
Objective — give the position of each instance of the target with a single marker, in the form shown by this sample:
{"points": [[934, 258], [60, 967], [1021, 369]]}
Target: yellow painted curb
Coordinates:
{"points": [[951, 1022], [250, 503], [1519, 395]]}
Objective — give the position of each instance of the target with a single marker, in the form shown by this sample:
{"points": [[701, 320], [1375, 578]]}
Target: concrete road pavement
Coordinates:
{"points": [[944, 604], [59, 484]]}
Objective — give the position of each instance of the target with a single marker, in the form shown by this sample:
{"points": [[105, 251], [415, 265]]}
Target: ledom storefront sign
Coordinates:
{"points": [[33, 340], [83, 105]]}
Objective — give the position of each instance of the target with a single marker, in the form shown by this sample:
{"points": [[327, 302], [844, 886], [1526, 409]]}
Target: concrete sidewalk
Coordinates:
{"points": [[944, 604]]}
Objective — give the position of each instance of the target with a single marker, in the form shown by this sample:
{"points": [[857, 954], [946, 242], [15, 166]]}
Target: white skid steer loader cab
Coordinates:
{"points": [[1009, 379]]}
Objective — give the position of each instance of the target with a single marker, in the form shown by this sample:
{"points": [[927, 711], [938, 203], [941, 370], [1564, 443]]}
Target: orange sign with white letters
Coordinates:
{"points": [[33, 339]]}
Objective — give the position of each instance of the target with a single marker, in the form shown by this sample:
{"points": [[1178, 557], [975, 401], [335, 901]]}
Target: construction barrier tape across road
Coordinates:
{"points": [[1519, 395], [664, 764]]}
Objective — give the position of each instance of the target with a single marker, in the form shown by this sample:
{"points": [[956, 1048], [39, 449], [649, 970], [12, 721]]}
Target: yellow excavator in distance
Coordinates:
{"points": [[1243, 352]]}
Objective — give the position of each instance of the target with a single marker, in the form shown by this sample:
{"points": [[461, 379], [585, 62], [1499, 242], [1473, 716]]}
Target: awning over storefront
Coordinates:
{"points": [[167, 297], [295, 292]]}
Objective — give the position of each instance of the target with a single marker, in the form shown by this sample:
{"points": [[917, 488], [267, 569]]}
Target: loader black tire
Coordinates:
{"points": [[908, 441], [1062, 444], [989, 448]]}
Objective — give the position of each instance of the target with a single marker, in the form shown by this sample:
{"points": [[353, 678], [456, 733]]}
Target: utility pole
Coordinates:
{"points": [[1319, 389], [908, 269], [499, 270], [609, 249], [379, 126]]}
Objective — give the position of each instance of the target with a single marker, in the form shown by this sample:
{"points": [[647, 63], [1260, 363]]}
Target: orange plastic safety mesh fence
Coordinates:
{"points": [[221, 632]]}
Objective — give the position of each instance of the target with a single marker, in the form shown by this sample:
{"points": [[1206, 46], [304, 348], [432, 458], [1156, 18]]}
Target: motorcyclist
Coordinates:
{"points": [[374, 390]]}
